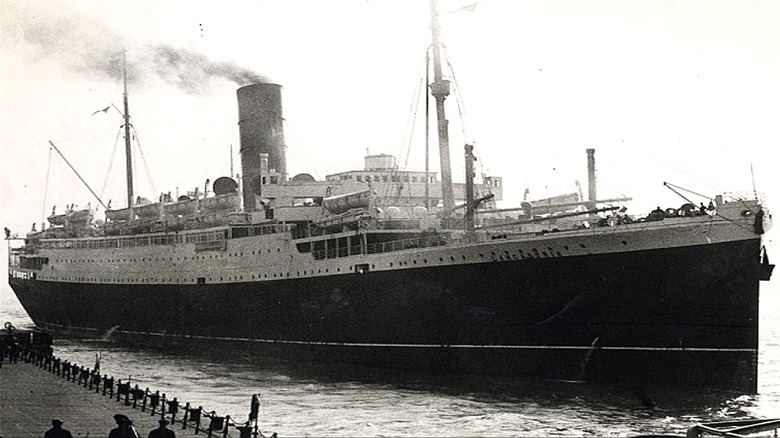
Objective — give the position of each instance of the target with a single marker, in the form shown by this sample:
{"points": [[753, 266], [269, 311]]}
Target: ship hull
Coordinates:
{"points": [[683, 315]]}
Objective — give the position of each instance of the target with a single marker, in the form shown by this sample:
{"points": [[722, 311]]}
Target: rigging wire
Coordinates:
{"points": [[406, 143], [412, 115], [46, 188], [111, 162], [673, 167], [289, 133], [143, 159], [464, 125], [468, 136]]}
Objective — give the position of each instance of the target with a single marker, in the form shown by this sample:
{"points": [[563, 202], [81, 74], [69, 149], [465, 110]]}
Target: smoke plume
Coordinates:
{"points": [[88, 46]]}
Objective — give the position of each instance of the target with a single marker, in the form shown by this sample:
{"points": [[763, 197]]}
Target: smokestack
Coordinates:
{"points": [[260, 126], [591, 175]]}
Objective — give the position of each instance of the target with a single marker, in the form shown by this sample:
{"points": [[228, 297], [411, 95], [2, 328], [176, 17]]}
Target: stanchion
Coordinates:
{"points": [[143, 405], [186, 416], [218, 426], [173, 408]]}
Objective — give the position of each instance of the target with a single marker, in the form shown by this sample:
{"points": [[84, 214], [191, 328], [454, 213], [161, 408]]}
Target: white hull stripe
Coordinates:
{"points": [[454, 346]]}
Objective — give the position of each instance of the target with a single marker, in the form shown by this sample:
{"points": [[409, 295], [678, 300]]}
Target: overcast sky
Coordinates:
{"points": [[681, 91]]}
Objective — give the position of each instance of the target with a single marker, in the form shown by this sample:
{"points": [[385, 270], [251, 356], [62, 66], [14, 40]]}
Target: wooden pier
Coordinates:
{"points": [[32, 394]]}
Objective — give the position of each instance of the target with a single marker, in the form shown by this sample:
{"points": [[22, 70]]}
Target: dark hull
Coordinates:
{"points": [[680, 315]]}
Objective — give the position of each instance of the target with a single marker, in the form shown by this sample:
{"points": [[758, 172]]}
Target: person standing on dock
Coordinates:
{"points": [[162, 431], [124, 428], [57, 431]]}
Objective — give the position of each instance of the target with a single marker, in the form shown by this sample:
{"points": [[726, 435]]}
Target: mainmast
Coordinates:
{"points": [[440, 89], [128, 146]]}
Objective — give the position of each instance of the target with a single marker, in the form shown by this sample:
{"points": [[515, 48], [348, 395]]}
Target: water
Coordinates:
{"points": [[331, 402]]}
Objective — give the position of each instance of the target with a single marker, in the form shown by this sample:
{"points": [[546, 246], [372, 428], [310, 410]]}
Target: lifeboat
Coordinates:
{"points": [[57, 219], [227, 202], [149, 211], [119, 215], [181, 208], [73, 218], [343, 203]]}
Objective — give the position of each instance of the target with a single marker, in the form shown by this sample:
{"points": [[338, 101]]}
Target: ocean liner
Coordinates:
{"points": [[394, 268]]}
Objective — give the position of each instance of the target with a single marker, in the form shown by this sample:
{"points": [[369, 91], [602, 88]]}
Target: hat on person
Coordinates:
{"points": [[163, 421], [56, 422], [121, 418]]}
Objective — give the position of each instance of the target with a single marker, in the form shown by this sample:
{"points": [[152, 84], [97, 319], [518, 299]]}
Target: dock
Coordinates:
{"points": [[32, 394]]}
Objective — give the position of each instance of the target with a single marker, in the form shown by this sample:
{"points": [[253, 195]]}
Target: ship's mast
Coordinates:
{"points": [[471, 206], [128, 146], [440, 89]]}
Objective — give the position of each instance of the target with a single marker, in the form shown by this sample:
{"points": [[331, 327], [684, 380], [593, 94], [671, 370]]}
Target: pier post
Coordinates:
{"points": [[197, 420], [154, 400], [212, 422], [227, 424], [143, 404], [173, 408], [96, 379], [108, 383], [186, 416]]}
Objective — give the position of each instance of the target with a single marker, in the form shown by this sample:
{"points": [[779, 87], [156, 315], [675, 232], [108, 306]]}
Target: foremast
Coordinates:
{"points": [[128, 145], [440, 89]]}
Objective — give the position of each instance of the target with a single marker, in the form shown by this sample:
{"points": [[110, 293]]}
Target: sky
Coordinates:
{"points": [[686, 92]]}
